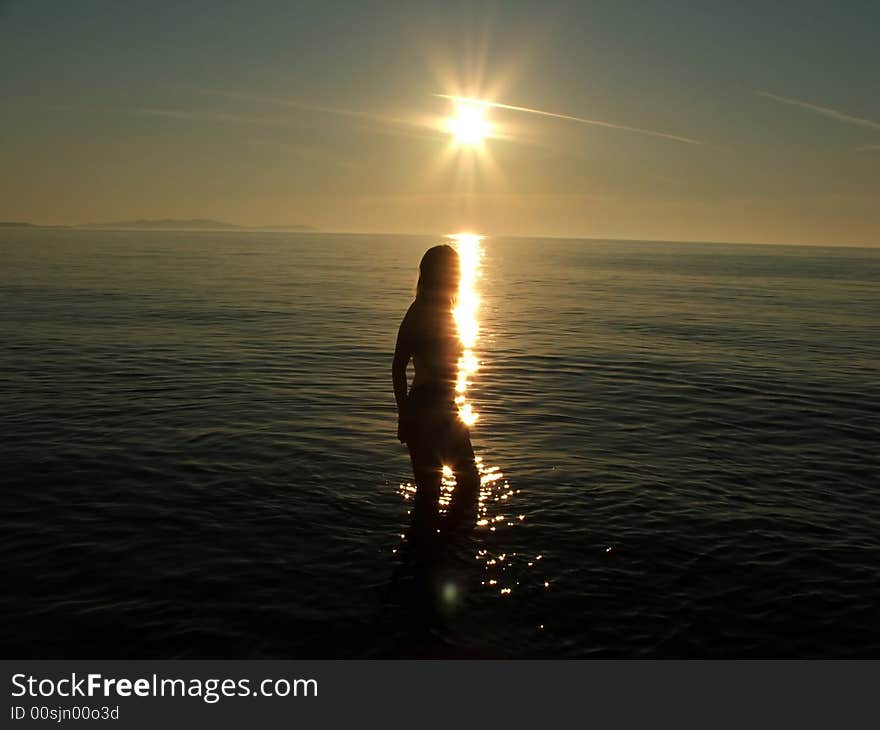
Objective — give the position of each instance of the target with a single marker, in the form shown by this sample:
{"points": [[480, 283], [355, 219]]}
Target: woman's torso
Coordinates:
{"points": [[436, 348]]}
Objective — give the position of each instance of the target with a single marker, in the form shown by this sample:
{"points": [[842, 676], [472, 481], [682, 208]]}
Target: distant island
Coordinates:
{"points": [[168, 224], [19, 224]]}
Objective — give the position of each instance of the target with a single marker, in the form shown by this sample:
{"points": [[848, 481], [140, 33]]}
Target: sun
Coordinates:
{"points": [[469, 127]]}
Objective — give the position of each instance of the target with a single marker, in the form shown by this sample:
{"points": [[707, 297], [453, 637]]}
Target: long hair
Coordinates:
{"points": [[439, 274]]}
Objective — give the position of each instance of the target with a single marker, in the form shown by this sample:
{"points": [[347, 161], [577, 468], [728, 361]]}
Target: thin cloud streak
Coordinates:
{"points": [[580, 120], [320, 109], [290, 103], [194, 115], [823, 110], [383, 124]]}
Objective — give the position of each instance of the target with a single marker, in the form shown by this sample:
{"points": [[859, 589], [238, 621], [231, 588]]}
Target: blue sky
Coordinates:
{"points": [[322, 113]]}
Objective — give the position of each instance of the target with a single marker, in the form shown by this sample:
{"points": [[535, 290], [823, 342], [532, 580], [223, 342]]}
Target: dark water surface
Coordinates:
{"points": [[199, 453]]}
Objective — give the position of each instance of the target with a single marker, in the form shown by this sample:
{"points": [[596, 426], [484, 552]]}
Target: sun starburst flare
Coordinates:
{"points": [[469, 127]]}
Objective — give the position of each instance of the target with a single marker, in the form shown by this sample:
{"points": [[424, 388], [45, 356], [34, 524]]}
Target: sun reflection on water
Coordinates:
{"points": [[495, 513], [467, 304]]}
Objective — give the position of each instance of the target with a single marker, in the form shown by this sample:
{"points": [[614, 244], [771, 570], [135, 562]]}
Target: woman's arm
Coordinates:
{"points": [[402, 355]]}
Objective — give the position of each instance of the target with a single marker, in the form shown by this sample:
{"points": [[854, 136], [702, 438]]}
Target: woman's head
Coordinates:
{"points": [[439, 274]]}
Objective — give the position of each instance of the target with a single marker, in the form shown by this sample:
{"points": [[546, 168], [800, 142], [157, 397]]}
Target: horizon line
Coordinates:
{"points": [[483, 234]]}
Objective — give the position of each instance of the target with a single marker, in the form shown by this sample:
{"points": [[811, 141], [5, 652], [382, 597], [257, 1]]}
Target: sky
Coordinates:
{"points": [[718, 121]]}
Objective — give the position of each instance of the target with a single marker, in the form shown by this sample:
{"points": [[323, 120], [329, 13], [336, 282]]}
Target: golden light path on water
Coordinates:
{"points": [[495, 509], [465, 313]]}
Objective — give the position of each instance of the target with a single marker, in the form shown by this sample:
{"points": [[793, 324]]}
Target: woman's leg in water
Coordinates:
{"points": [[427, 471], [465, 498]]}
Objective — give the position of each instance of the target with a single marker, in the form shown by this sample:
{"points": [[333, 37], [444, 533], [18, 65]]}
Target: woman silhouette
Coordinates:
{"points": [[428, 420]]}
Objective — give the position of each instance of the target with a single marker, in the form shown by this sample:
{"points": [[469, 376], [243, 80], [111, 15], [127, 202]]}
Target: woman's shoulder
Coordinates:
{"points": [[414, 313], [411, 319]]}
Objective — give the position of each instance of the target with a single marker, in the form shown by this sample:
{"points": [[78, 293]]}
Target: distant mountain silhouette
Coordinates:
{"points": [[22, 224], [191, 224]]}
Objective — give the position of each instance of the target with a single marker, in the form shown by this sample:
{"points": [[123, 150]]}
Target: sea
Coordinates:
{"points": [[680, 445]]}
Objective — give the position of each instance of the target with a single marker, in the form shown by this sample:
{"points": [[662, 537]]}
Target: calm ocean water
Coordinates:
{"points": [[199, 454]]}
